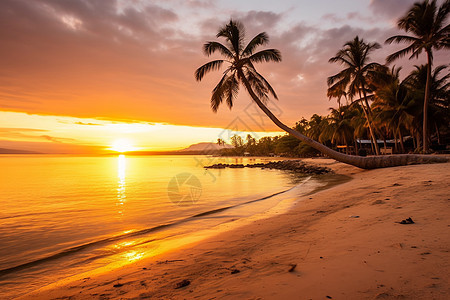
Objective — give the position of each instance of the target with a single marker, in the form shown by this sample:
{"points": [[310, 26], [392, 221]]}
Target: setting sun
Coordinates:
{"points": [[122, 145]]}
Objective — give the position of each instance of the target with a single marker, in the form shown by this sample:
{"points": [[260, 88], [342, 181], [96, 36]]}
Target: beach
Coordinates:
{"points": [[346, 242]]}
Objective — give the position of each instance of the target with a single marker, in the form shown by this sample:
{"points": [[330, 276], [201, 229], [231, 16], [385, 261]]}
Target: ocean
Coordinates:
{"points": [[64, 215]]}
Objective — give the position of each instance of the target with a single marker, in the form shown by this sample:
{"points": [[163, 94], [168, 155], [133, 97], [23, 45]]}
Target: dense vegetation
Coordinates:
{"points": [[397, 108]]}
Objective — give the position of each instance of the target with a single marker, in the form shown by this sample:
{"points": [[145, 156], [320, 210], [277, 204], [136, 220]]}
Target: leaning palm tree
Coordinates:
{"points": [[426, 24], [355, 58], [241, 69]]}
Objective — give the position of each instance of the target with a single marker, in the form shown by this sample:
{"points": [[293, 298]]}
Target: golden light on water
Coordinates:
{"points": [[121, 172], [121, 168], [133, 255], [124, 244]]}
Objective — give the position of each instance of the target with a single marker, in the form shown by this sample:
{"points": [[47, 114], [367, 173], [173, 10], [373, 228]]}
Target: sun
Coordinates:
{"points": [[122, 145]]}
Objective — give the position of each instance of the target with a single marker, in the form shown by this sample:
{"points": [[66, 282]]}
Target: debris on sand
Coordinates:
{"points": [[406, 221], [292, 268], [182, 283]]}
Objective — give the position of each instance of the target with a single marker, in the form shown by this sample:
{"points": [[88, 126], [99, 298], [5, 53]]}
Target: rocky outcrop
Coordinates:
{"points": [[297, 166]]}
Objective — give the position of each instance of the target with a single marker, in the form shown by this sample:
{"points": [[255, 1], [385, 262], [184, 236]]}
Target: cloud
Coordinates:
{"points": [[20, 133], [89, 123], [57, 139], [4, 129], [46, 147], [391, 9], [30, 134]]}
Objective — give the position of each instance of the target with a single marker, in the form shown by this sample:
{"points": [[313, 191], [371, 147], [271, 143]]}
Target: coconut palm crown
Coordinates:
{"points": [[425, 23], [240, 62], [354, 56]]}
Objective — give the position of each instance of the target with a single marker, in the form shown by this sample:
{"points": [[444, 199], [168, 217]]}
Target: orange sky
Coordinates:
{"points": [[133, 62]]}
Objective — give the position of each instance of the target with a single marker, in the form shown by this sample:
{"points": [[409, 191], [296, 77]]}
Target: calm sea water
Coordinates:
{"points": [[63, 215]]}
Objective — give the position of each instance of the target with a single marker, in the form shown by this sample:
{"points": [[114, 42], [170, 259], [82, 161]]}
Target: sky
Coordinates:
{"points": [[83, 74]]}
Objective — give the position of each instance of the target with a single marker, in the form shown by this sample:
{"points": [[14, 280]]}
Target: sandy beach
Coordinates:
{"points": [[345, 242]]}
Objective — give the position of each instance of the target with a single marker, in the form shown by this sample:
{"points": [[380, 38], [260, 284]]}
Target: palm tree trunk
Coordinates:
{"points": [[402, 146], [372, 145], [438, 134], [418, 140], [425, 103], [358, 161], [395, 141], [346, 145], [367, 112]]}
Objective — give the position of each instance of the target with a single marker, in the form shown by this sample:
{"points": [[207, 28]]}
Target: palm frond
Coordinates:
{"points": [[232, 90], [337, 91], [208, 67], [234, 33], [443, 42], [443, 12], [259, 40], [342, 57], [400, 53], [371, 67], [257, 85], [211, 47], [218, 94], [417, 51], [227, 89], [348, 56], [401, 39], [264, 82], [266, 55], [344, 75]]}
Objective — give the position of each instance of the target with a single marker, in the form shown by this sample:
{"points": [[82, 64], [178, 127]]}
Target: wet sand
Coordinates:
{"points": [[345, 242]]}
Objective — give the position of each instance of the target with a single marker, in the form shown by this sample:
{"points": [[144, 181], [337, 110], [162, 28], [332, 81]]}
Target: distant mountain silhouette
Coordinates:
{"points": [[205, 147]]}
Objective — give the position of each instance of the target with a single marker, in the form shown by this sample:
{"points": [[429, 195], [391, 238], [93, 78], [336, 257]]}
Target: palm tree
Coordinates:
{"points": [[426, 24], [355, 56], [439, 91], [393, 103], [241, 70], [342, 130]]}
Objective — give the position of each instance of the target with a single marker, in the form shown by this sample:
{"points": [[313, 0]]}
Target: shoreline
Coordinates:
{"points": [[343, 241]]}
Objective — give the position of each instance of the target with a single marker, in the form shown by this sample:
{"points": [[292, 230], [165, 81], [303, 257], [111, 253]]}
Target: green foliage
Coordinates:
{"points": [[304, 150], [240, 60], [286, 145]]}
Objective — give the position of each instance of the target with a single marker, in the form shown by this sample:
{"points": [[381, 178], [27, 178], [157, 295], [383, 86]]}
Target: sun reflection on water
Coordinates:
{"points": [[133, 255], [121, 196], [124, 244]]}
